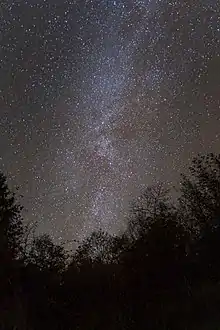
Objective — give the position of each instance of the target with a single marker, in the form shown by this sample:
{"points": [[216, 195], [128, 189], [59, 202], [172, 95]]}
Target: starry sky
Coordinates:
{"points": [[99, 99]]}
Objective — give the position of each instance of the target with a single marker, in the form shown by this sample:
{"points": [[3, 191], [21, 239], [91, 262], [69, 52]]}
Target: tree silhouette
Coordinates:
{"points": [[46, 255], [199, 205], [200, 192], [143, 211], [99, 247], [11, 229], [12, 311], [163, 272]]}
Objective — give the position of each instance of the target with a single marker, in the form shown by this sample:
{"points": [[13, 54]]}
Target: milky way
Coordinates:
{"points": [[100, 99]]}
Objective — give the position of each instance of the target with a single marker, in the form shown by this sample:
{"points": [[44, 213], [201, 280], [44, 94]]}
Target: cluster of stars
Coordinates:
{"points": [[102, 98]]}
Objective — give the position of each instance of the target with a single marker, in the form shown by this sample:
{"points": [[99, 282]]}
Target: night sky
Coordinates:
{"points": [[99, 99]]}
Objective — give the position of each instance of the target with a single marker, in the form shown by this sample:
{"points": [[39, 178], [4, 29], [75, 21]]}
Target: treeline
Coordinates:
{"points": [[163, 272]]}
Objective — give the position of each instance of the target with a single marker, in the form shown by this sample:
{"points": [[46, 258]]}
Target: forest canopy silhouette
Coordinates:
{"points": [[163, 272]]}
